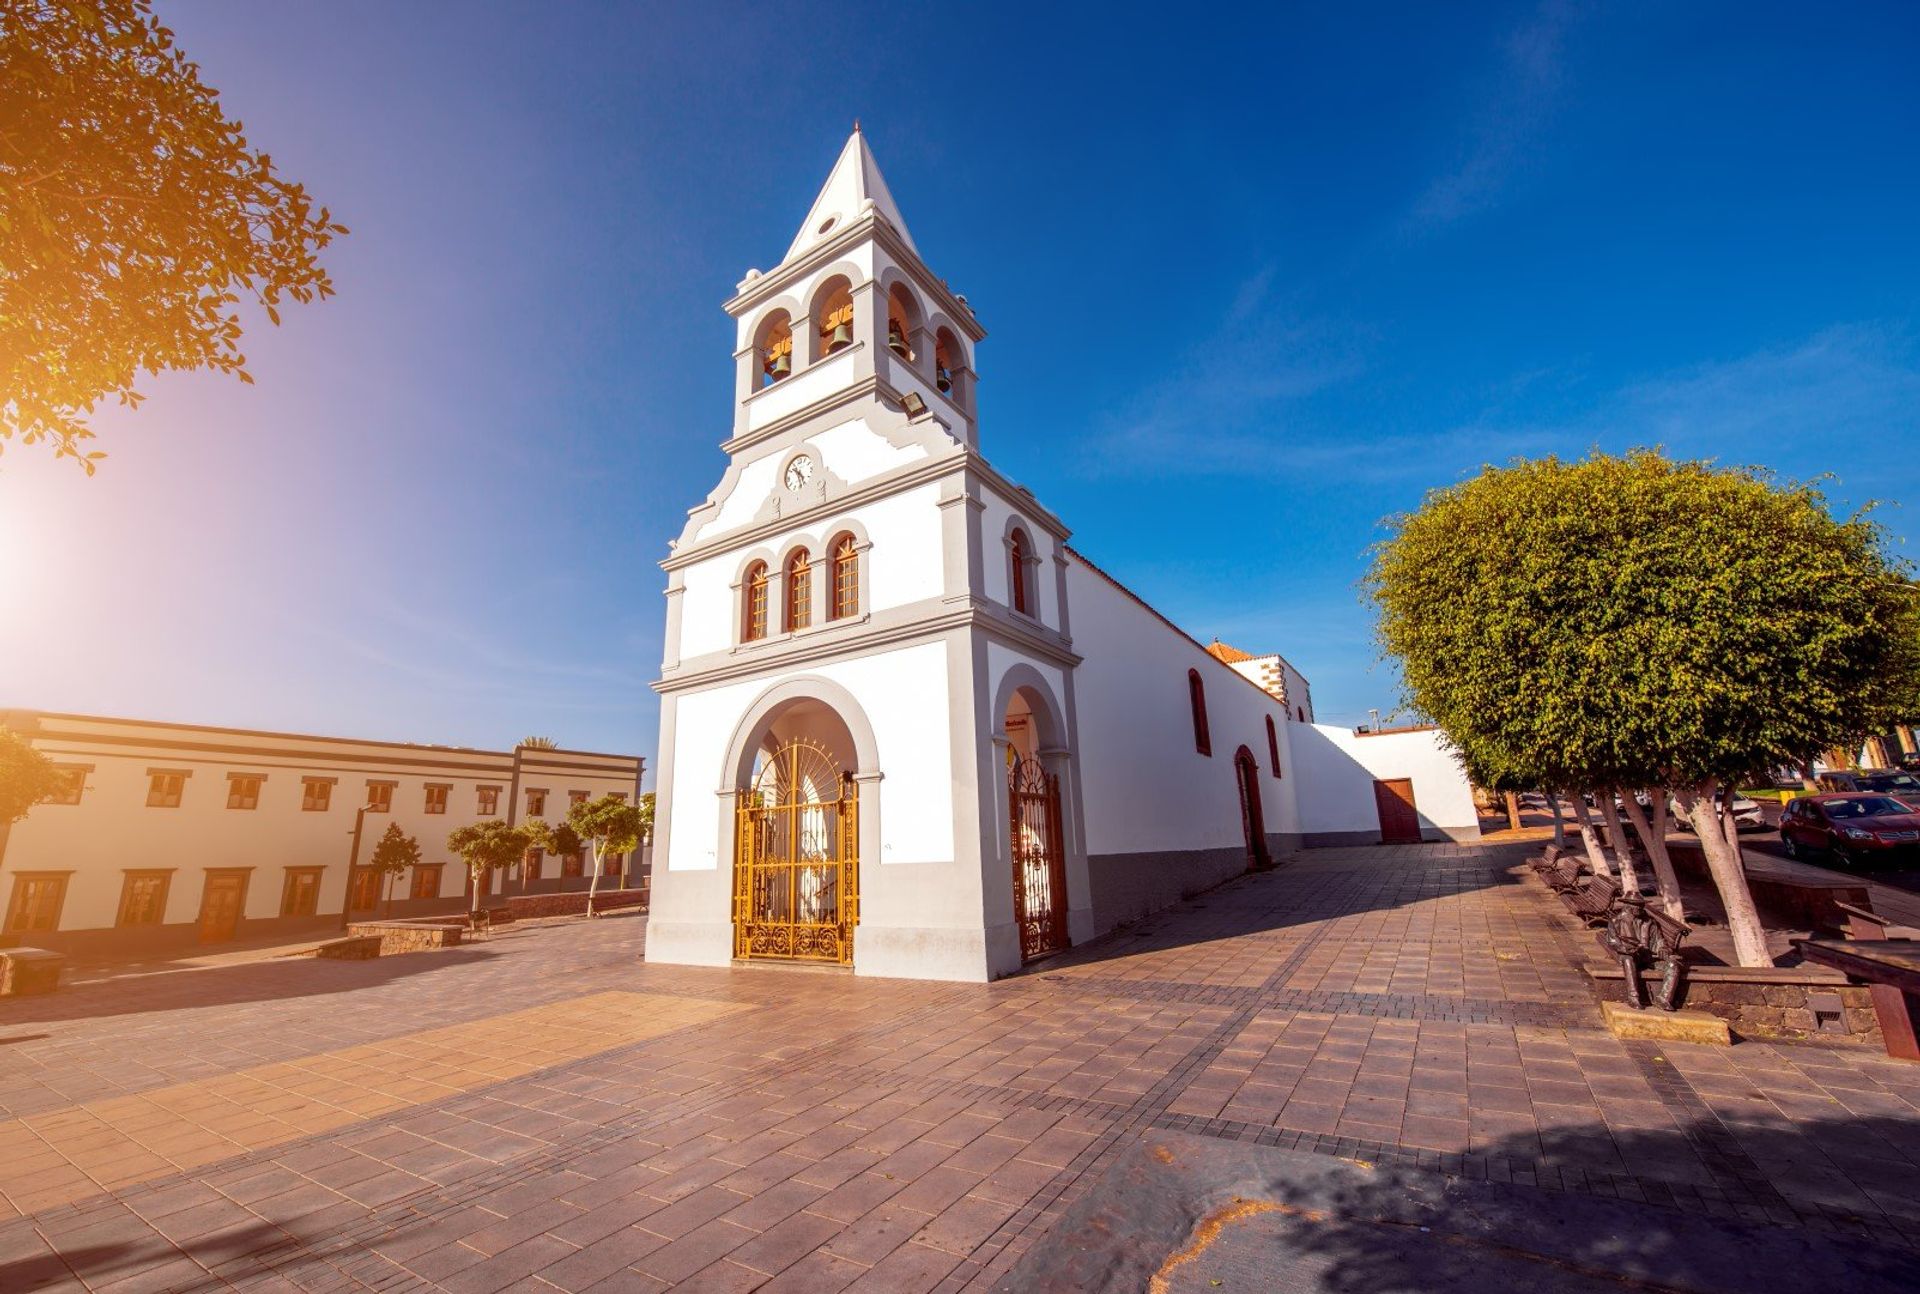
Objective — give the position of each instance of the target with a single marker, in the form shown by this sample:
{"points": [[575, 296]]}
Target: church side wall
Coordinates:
{"points": [[1163, 821], [1338, 768]]}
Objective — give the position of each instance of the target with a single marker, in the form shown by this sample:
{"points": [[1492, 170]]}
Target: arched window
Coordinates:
{"points": [[1303, 713], [1197, 694], [946, 358], [775, 348], [833, 320], [753, 621], [799, 590], [1018, 559], [1273, 747], [846, 579], [903, 317]]}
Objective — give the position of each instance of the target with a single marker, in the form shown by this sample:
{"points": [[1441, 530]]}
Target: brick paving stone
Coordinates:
{"points": [[1422, 1005]]}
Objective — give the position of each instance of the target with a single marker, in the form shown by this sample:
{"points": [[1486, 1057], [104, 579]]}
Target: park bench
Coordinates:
{"points": [[1634, 930], [1565, 876], [1863, 923], [1548, 858], [1890, 968], [1594, 899], [480, 923]]}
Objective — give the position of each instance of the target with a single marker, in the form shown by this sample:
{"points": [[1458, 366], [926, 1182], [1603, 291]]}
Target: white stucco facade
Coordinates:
{"points": [[1000, 717], [269, 814]]}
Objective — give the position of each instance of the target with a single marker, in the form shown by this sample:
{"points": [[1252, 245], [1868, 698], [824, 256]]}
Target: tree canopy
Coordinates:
{"points": [[1630, 621], [395, 852], [1638, 621], [135, 219], [27, 778], [490, 843]]}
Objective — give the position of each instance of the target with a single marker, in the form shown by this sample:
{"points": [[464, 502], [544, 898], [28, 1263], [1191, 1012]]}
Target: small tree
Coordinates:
{"points": [[563, 842], [1626, 623], [487, 845], [27, 778], [396, 852], [537, 743], [611, 826]]}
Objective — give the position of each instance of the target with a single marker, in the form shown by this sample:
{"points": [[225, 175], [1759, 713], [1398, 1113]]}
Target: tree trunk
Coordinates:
{"points": [[593, 886], [1653, 834], [1588, 836], [1809, 781], [1697, 803], [389, 896], [1622, 852], [1559, 823], [1513, 811]]}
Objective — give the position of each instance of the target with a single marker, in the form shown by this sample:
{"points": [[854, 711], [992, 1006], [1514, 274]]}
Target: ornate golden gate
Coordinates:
{"points": [[1039, 863], [796, 868]]}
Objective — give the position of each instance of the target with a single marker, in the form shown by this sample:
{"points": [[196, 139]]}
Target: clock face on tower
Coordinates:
{"points": [[799, 472]]}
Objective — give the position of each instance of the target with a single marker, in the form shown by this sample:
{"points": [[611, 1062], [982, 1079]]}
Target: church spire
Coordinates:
{"points": [[854, 181]]}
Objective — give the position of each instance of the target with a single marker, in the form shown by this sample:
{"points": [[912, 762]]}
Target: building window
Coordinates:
{"points": [[1018, 559], [380, 797], [426, 881], [489, 801], [576, 797], [753, 626], [572, 865], [316, 794], [143, 899], [73, 780], [799, 590], [846, 578], [530, 865], [300, 895], [437, 797], [243, 790], [1273, 746], [1197, 695], [37, 900], [164, 787], [536, 803]]}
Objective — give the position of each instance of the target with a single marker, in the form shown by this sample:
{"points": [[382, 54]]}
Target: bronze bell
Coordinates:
{"points": [[943, 378], [842, 336], [897, 341], [779, 366]]}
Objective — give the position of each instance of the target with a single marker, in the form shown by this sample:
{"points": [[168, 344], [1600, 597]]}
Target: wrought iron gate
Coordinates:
{"points": [[796, 870], [1039, 863]]}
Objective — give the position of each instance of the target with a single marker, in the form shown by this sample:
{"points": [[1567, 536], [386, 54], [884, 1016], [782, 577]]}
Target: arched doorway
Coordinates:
{"points": [[797, 832], [1253, 818], [1035, 836]]}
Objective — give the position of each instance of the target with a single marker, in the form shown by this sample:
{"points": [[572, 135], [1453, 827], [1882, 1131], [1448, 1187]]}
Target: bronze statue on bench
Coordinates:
{"points": [[1634, 930]]}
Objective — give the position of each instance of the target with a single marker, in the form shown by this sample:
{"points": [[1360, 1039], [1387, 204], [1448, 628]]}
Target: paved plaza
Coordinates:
{"points": [[1295, 1081]]}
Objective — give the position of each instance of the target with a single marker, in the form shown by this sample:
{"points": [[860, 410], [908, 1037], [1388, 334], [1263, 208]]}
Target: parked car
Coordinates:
{"points": [[1909, 760], [1746, 815], [1851, 828], [1885, 781]]}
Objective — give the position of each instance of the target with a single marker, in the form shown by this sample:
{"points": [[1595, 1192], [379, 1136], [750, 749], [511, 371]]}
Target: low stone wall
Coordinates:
{"points": [[353, 948], [1775, 1003], [1803, 902], [29, 970], [409, 936], [572, 903]]}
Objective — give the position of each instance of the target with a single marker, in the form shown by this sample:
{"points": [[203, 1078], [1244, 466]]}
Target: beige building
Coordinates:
{"points": [[170, 834]]}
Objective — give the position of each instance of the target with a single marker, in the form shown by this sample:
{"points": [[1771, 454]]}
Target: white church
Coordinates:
{"points": [[905, 727]]}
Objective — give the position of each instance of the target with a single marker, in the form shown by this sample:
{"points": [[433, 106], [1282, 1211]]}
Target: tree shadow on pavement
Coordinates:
{"points": [[1824, 1204]]}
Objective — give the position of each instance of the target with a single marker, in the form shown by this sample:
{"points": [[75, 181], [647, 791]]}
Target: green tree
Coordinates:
{"points": [[487, 845], [611, 826], [396, 852], [1630, 622], [27, 777], [135, 218]]}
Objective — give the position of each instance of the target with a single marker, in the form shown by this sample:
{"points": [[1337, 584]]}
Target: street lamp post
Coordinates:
{"points": [[353, 864]]}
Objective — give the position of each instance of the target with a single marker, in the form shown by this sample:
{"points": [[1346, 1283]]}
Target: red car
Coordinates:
{"points": [[1853, 829]]}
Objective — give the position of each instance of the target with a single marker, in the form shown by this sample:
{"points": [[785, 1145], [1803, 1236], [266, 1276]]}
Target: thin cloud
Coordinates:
{"points": [[1507, 125]]}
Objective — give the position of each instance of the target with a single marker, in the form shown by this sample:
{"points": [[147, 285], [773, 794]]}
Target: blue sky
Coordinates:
{"points": [[1252, 280]]}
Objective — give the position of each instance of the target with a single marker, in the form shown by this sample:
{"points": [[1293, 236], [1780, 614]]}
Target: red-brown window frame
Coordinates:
{"points": [[1017, 547], [753, 621], [1273, 747], [846, 579], [1197, 697], [799, 585]]}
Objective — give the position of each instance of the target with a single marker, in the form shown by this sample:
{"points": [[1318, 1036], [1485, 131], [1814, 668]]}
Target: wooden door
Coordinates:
{"points": [[366, 889], [221, 905], [1399, 821], [1253, 818]]}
